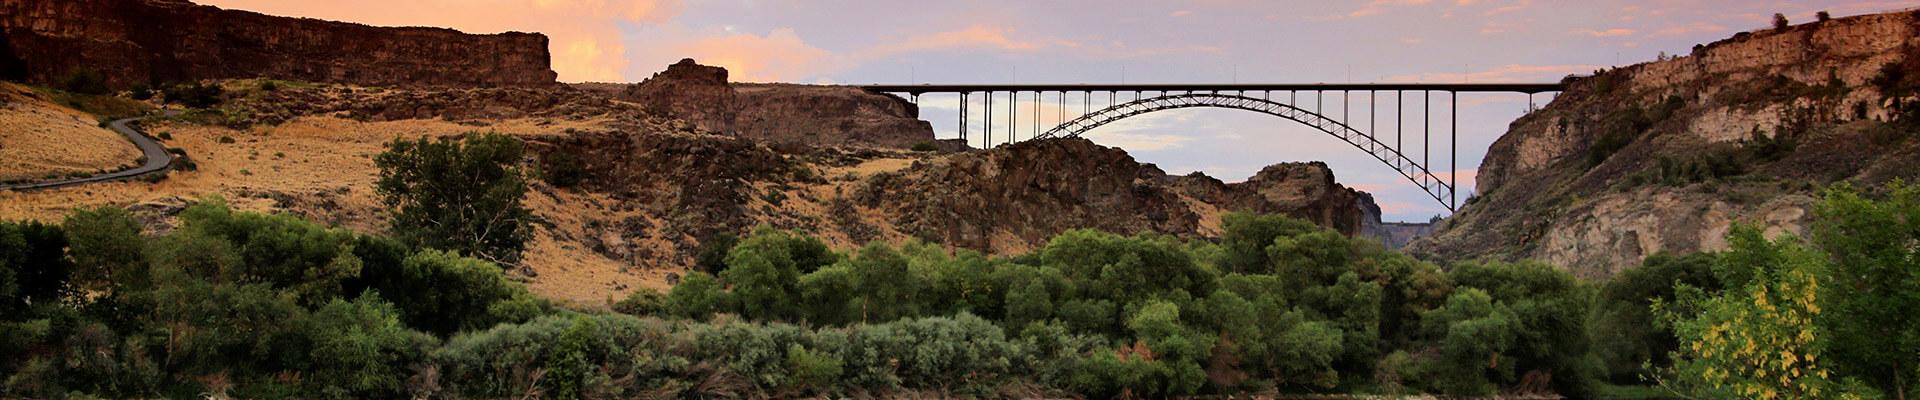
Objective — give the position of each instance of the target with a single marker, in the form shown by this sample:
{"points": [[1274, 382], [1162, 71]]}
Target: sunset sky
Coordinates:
{"points": [[1136, 41]]}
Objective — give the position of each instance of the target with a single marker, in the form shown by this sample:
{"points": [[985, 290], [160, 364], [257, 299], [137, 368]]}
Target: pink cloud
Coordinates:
{"points": [[777, 56], [1688, 29], [975, 36], [1615, 32], [1377, 7]]}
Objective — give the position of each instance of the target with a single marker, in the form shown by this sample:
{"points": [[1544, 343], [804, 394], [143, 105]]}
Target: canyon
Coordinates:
{"points": [[1665, 156]]}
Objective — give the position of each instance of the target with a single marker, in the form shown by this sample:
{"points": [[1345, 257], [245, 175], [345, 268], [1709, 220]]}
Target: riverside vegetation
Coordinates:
{"points": [[251, 305]]}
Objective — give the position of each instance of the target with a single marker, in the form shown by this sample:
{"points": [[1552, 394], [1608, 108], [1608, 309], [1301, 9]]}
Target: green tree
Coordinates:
{"points": [[463, 195], [305, 259], [34, 269], [1549, 311], [886, 290], [107, 250], [1758, 339], [1126, 270], [1876, 276], [443, 293], [698, 296], [1244, 244], [1475, 340], [359, 349], [1624, 329], [827, 296]]}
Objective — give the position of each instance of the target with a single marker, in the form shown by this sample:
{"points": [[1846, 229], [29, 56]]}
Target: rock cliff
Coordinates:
{"points": [[1666, 155], [158, 41], [1016, 197], [780, 113]]}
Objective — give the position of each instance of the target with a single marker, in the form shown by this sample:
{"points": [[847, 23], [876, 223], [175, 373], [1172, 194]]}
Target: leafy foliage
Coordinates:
{"points": [[1876, 269], [253, 305], [1758, 340], [462, 195]]}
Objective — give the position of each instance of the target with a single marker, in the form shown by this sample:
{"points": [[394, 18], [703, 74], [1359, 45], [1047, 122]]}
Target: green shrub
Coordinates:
{"points": [[194, 95], [564, 169], [141, 91], [643, 302], [925, 147], [84, 81]]}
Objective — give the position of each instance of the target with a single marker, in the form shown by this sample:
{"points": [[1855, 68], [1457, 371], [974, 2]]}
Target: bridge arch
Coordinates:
{"points": [[1419, 174]]}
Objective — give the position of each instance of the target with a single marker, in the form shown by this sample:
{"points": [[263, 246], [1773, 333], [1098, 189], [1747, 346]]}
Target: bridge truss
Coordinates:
{"points": [[1280, 100]]}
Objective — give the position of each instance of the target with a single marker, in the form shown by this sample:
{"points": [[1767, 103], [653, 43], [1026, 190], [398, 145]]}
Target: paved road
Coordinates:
{"points": [[157, 159]]}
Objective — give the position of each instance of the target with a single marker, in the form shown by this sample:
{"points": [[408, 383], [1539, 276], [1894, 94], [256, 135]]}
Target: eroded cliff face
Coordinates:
{"points": [[1666, 155], [158, 41], [780, 113]]}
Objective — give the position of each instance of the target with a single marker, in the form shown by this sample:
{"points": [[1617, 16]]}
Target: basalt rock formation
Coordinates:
{"points": [[157, 41], [1015, 197], [1304, 190], [1664, 156], [780, 113]]}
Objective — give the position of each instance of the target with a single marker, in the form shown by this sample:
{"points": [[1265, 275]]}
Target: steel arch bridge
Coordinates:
{"points": [[1149, 98]]}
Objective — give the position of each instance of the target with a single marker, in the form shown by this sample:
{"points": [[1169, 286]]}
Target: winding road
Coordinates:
{"points": [[156, 158]]}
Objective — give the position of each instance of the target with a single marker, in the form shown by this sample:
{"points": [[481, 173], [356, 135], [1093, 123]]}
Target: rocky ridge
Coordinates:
{"points": [[1664, 156]]}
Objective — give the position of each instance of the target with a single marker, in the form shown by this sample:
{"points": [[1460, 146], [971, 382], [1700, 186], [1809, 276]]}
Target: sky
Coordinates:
{"points": [[1130, 41]]}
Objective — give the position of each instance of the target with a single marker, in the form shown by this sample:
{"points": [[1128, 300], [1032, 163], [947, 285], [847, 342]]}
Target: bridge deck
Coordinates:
{"points": [[1220, 87]]}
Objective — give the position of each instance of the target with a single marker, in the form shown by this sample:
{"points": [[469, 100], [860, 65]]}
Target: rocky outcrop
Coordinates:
{"points": [[1665, 156], [157, 41], [1304, 190], [689, 91], [1016, 197], [780, 113]]}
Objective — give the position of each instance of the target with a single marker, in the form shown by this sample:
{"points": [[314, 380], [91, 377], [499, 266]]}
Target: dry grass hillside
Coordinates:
{"points": [[41, 139], [652, 191]]}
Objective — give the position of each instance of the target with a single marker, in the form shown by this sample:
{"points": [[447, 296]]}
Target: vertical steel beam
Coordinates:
{"points": [[1453, 166], [1399, 119], [1426, 114], [963, 118], [986, 121]]}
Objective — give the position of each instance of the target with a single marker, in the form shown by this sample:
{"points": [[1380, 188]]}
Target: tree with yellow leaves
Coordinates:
{"points": [[1757, 339]]}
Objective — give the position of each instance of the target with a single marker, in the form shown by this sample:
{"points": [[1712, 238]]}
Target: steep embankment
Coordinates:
{"points": [[157, 41], [1666, 155]]}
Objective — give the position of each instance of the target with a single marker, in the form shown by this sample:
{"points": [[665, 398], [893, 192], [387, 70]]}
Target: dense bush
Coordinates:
{"points": [[194, 95], [1278, 304], [252, 305], [230, 303]]}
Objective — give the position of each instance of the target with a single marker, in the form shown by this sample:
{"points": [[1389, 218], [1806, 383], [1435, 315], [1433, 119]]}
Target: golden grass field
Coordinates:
{"points": [[40, 139], [322, 168]]}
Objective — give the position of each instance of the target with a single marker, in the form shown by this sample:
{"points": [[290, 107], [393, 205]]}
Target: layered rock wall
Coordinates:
{"points": [[157, 41], [1665, 156]]}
